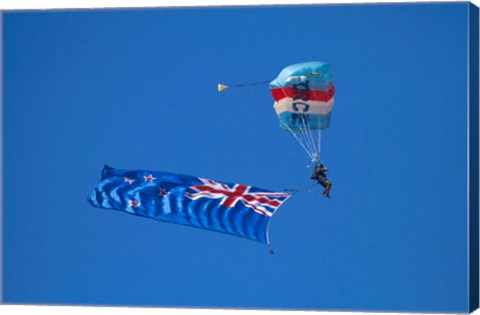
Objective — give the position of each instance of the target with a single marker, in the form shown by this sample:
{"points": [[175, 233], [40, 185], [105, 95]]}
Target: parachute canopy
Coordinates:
{"points": [[303, 96]]}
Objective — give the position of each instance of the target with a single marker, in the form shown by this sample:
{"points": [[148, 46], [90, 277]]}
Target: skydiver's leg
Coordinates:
{"points": [[322, 181], [327, 186]]}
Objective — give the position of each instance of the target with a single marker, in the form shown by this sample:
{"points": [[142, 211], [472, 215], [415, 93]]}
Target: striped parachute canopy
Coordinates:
{"points": [[303, 96]]}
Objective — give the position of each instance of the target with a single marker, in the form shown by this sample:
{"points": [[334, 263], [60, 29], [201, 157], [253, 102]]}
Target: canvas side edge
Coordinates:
{"points": [[1, 158], [473, 158]]}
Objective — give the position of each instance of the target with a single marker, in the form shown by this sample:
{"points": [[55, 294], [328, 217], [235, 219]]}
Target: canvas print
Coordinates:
{"points": [[281, 157]]}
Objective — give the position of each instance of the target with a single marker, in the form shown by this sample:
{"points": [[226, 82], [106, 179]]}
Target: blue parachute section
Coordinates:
{"points": [[315, 72], [296, 122]]}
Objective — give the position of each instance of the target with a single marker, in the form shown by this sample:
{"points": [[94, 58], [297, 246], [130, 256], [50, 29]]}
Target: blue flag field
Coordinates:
{"points": [[234, 209]]}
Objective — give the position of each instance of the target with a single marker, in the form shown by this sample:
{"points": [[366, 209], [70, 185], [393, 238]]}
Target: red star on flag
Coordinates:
{"points": [[163, 192], [149, 178], [133, 203], [128, 180]]}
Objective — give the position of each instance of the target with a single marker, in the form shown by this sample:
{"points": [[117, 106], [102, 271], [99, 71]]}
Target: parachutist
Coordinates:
{"points": [[320, 176], [270, 250]]}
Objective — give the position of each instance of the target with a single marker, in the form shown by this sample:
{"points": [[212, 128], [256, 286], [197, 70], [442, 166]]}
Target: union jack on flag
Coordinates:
{"points": [[264, 203], [234, 209]]}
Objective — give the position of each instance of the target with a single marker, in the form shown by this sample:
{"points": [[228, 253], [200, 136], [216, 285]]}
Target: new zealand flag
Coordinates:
{"points": [[183, 199]]}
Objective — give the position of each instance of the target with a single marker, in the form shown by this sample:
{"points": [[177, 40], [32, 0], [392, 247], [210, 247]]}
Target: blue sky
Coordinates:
{"points": [[136, 89]]}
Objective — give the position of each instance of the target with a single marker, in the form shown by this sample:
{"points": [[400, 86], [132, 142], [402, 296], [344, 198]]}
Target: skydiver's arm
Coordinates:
{"points": [[316, 172]]}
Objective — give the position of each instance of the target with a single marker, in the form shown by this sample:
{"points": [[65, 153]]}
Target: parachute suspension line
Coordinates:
{"points": [[310, 134], [318, 152], [319, 147], [306, 140], [297, 138], [306, 135]]}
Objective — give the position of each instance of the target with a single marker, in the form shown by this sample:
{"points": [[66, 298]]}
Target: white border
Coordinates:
{"points": [[1, 157], [63, 4], [90, 4]]}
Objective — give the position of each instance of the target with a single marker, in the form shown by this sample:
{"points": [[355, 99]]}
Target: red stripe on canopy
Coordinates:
{"points": [[323, 96]]}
